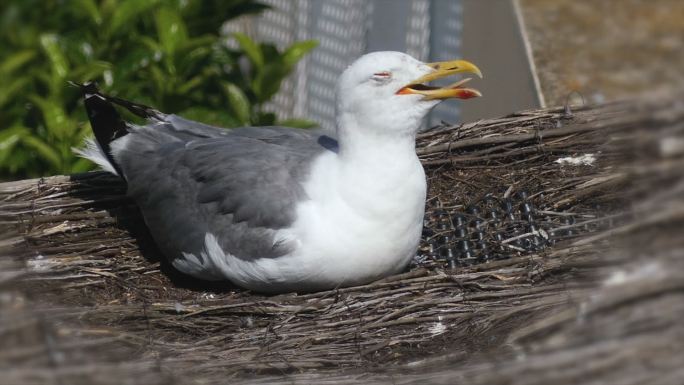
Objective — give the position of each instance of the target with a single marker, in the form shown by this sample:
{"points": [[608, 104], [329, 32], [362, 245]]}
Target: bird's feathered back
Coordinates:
{"points": [[191, 179]]}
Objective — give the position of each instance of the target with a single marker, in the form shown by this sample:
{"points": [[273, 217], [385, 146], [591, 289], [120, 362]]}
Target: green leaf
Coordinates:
{"points": [[207, 16], [55, 117], [16, 60], [267, 82], [171, 29], [9, 91], [271, 54], [11, 135], [8, 140], [81, 165], [89, 71], [150, 43], [204, 42], [265, 119], [90, 8], [135, 45], [251, 49], [189, 85], [161, 82], [239, 103], [132, 62], [210, 116], [43, 150], [126, 12], [59, 63], [294, 53], [298, 123]]}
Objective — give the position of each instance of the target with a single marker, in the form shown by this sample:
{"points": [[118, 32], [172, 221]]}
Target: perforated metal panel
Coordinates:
{"points": [[339, 25], [346, 29], [446, 28], [418, 30], [284, 24]]}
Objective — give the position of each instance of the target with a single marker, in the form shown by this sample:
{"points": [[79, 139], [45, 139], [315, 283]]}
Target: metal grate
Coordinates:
{"points": [[446, 27], [346, 29]]}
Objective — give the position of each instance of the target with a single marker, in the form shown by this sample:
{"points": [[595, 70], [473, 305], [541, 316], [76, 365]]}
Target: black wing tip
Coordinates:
{"points": [[88, 88], [105, 121]]}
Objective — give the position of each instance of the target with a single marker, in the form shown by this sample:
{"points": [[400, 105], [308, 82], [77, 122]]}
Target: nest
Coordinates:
{"points": [[544, 242]]}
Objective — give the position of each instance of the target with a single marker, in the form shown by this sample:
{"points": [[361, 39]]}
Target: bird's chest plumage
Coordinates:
{"points": [[360, 224]]}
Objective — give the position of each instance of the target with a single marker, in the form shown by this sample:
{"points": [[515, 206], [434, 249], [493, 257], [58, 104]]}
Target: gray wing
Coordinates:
{"points": [[240, 185]]}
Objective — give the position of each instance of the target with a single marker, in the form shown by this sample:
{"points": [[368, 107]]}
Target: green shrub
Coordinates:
{"points": [[165, 53]]}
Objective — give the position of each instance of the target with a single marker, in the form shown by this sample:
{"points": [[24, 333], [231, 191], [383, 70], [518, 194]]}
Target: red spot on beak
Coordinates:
{"points": [[405, 91], [467, 94]]}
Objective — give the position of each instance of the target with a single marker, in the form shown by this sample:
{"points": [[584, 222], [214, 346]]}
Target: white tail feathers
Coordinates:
{"points": [[93, 152]]}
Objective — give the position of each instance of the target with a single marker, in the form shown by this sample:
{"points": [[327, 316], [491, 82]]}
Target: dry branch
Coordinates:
{"points": [[86, 298]]}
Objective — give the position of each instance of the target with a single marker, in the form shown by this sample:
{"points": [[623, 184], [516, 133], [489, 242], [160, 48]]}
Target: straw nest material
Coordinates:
{"points": [[583, 284]]}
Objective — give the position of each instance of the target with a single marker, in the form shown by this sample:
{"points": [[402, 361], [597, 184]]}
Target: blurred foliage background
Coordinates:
{"points": [[169, 54]]}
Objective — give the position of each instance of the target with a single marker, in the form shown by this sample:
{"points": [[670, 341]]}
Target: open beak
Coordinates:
{"points": [[442, 70]]}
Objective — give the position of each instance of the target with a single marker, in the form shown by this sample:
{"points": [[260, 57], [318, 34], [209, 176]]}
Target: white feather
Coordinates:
{"points": [[93, 152], [355, 228]]}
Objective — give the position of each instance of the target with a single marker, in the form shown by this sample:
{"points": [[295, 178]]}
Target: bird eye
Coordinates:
{"points": [[382, 76]]}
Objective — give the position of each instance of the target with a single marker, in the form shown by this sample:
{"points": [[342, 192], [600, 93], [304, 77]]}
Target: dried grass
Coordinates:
{"points": [[85, 297]]}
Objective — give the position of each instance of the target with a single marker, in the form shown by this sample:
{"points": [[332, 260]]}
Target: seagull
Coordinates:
{"points": [[275, 209]]}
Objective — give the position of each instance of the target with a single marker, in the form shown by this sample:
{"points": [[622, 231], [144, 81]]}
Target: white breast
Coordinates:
{"points": [[360, 224]]}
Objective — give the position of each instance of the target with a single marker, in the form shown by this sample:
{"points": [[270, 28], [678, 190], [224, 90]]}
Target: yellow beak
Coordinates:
{"points": [[442, 70]]}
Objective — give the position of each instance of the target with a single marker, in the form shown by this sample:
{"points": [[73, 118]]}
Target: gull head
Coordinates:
{"points": [[389, 92]]}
